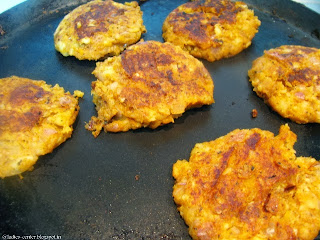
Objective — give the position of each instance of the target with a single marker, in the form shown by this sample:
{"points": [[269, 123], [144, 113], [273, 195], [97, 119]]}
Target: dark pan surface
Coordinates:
{"points": [[119, 186]]}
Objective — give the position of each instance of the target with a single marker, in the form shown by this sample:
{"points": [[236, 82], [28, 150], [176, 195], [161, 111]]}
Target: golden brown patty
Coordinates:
{"points": [[249, 184], [34, 119], [99, 28], [211, 29], [288, 79], [148, 85]]}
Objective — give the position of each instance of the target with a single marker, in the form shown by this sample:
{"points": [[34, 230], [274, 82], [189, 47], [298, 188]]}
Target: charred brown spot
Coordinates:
{"points": [[153, 75], [303, 76], [171, 78], [271, 204], [134, 62], [234, 196], [97, 19], [224, 12], [218, 8], [27, 93], [223, 164], [31, 118], [14, 121], [145, 61], [291, 53], [250, 214], [290, 188], [192, 25], [196, 173], [300, 50], [141, 67], [144, 65], [136, 95], [203, 15], [164, 59], [253, 140]]}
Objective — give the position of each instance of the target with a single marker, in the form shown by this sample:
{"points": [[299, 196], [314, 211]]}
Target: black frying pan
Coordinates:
{"points": [[119, 186]]}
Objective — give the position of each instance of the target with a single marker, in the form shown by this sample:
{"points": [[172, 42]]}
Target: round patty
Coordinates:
{"points": [[249, 184], [288, 79], [98, 29], [211, 29], [148, 85], [34, 119]]}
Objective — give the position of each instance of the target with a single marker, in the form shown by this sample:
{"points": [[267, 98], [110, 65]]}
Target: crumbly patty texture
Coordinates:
{"points": [[249, 184], [288, 79], [34, 119], [98, 29], [211, 29], [148, 85]]}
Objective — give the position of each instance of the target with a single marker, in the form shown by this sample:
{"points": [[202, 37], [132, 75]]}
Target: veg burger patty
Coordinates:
{"points": [[148, 85], [35, 118], [249, 184], [99, 29], [211, 29]]}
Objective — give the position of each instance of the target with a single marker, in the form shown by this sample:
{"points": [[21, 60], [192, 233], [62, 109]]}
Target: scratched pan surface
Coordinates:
{"points": [[119, 186]]}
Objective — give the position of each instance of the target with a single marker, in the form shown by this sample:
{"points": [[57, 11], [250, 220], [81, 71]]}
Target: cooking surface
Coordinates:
{"points": [[119, 185]]}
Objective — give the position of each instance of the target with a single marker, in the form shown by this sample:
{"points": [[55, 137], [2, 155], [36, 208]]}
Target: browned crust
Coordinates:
{"points": [[150, 66], [205, 15], [248, 185], [16, 121], [104, 13], [289, 56], [34, 119], [211, 29], [99, 29], [288, 79], [21, 92], [149, 85]]}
